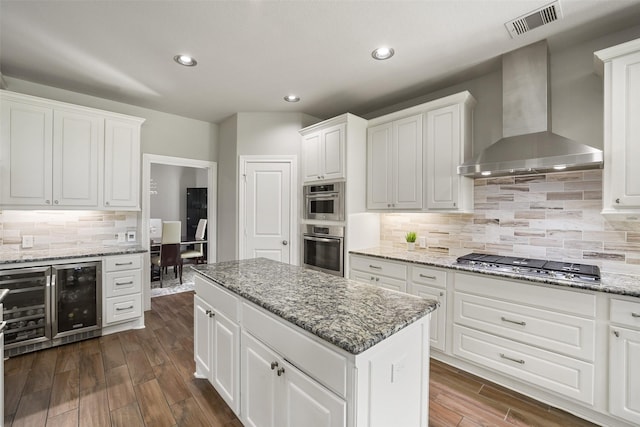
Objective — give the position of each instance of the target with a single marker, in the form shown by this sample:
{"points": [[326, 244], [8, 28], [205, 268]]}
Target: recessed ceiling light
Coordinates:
{"points": [[185, 60], [292, 98], [382, 53]]}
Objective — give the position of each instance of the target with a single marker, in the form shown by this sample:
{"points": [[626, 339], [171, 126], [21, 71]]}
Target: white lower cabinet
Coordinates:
{"points": [[217, 341], [283, 376], [624, 360], [122, 291], [277, 394]]}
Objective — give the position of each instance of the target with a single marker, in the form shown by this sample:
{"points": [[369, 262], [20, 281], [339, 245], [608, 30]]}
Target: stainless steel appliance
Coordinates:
{"points": [[51, 305], [324, 201], [323, 248], [533, 267]]}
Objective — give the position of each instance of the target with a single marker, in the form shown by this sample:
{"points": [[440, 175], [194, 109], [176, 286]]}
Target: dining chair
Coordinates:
{"points": [[198, 252], [169, 249]]}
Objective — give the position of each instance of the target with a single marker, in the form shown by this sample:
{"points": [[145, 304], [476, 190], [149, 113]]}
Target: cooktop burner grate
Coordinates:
{"points": [[533, 267]]}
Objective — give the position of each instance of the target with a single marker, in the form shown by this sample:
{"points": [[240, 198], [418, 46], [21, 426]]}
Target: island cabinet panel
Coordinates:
{"points": [[217, 340], [278, 394], [325, 365], [290, 376]]}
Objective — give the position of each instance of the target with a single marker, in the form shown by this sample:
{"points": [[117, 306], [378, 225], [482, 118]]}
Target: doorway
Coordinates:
{"points": [[211, 172], [268, 208]]}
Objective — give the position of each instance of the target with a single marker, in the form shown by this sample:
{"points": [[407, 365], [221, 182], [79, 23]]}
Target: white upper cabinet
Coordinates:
{"points": [[394, 164], [77, 148], [448, 142], [122, 164], [58, 155], [413, 155], [26, 154], [324, 152], [621, 176]]}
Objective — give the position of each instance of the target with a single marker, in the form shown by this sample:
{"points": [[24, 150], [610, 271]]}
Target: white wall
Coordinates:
{"points": [[249, 134], [169, 200], [162, 133]]}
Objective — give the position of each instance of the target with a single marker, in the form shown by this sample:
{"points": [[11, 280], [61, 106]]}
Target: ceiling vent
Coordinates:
{"points": [[534, 19]]}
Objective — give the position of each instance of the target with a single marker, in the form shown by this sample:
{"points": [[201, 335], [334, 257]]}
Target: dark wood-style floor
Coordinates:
{"points": [[145, 378]]}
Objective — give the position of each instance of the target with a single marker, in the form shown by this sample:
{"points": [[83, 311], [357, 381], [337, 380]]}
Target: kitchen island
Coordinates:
{"points": [[288, 346]]}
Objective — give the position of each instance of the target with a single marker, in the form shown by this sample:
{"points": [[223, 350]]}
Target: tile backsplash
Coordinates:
{"points": [[551, 216], [53, 230]]}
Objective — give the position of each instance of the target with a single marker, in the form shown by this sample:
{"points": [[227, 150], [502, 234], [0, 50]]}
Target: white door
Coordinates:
{"points": [[379, 167], [407, 161], [225, 370], [202, 336], [624, 374], [259, 398], [311, 147], [121, 164], [443, 157], [267, 210]]}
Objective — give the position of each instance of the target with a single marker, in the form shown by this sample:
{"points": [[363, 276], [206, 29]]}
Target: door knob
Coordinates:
{"points": [[285, 243]]}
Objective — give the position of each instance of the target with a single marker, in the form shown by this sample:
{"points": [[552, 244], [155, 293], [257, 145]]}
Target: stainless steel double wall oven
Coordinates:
{"points": [[323, 233]]}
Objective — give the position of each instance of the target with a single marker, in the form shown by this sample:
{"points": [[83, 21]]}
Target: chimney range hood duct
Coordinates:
{"points": [[527, 144]]}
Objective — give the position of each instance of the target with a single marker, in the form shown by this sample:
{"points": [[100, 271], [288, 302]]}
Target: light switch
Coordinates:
{"points": [[27, 242]]}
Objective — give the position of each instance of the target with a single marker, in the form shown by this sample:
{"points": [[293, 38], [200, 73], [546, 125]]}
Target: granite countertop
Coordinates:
{"points": [[614, 283], [351, 315], [11, 258]]}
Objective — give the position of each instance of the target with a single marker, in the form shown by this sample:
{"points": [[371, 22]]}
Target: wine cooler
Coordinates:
{"points": [[51, 305]]}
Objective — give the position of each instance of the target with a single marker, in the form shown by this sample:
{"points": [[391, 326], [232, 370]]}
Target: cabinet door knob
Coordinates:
{"points": [[618, 201], [207, 312], [48, 202], [55, 202], [106, 203], [274, 365], [285, 243], [616, 333], [280, 372]]}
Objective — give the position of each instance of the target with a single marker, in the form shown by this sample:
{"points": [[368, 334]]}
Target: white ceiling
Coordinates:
{"points": [[252, 53]]}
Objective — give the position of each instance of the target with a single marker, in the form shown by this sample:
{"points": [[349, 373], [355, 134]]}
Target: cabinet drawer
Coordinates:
{"points": [[564, 375], [567, 334], [311, 357], [123, 283], [382, 281], [219, 299], [574, 302], [429, 276], [123, 262], [378, 266], [624, 312], [119, 309]]}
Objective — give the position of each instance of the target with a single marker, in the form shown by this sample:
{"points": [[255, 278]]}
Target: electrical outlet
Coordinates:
{"points": [[121, 237], [422, 241], [131, 236], [27, 242]]}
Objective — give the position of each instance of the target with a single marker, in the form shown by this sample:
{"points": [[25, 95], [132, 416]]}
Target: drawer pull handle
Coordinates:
{"points": [[636, 315], [130, 282], [377, 267], [124, 308], [516, 322], [280, 372], [123, 263], [520, 361], [274, 365], [428, 277]]}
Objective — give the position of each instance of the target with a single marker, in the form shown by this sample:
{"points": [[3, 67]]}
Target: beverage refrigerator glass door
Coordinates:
{"points": [[324, 202], [323, 249]]}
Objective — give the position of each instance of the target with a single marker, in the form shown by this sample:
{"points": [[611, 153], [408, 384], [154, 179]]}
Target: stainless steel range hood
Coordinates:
{"points": [[528, 145]]}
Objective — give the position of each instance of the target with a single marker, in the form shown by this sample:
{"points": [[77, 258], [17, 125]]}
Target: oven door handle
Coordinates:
{"points": [[323, 196], [320, 239]]}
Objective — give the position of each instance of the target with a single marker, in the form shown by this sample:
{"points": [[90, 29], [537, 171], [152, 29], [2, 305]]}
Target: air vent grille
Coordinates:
{"points": [[535, 19]]}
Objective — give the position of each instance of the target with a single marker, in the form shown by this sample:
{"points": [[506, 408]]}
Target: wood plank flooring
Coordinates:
{"points": [[145, 378]]}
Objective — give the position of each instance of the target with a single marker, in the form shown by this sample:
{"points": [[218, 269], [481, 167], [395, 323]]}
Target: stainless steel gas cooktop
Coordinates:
{"points": [[533, 267]]}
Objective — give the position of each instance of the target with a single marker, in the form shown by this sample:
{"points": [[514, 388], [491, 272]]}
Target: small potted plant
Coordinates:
{"points": [[410, 237]]}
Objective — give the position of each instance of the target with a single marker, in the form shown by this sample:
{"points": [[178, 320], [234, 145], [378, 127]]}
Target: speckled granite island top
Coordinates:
{"points": [[346, 313], [13, 259], [613, 283]]}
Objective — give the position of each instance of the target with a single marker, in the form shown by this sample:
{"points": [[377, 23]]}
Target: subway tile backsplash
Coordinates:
{"points": [[53, 230], [551, 216]]}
